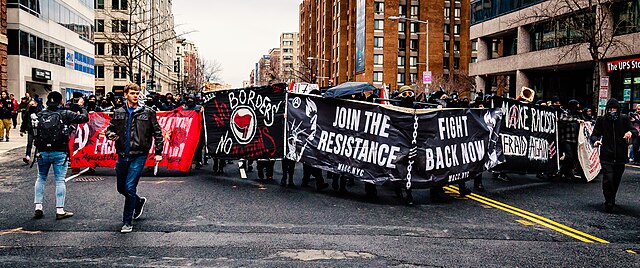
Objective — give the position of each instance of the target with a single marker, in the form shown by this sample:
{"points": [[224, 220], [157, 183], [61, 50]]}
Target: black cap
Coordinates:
{"points": [[54, 98], [613, 103]]}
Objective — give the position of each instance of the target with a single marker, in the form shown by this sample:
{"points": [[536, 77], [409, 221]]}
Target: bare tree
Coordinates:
{"points": [[459, 82], [200, 71], [211, 70], [137, 33], [583, 26], [305, 71]]}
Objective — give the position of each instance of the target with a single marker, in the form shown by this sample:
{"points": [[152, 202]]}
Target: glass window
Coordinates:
{"points": [[378, 59], [55, 11], [456, 63], [401, 78], [99, 4], [378, 42], [415, 10], [456, 29], [40, 48], [14, 42], [46, 50], [44, 9], [24, 44], [456, 46], [414, 44], [99, 49], [414, 27], [456, 12], [446, 29], [413, 61], [402, 44], [402, 27], [378, 24], [474, 45], [379, 7], [402, 10], [445, 63], [447, 13], [446, 46], [401, 61], [99, 71], [377, 76], [413, 77]]}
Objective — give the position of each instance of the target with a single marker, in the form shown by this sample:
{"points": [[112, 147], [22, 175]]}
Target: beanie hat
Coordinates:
{"points": [[404, 89], [613, 103], [54, 98]]}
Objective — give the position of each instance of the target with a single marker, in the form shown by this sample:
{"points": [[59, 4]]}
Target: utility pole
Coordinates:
{"points": [[153, 48]]}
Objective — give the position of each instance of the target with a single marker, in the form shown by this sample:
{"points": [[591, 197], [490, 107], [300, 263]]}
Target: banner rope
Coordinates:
{"points": [[413, 152]]}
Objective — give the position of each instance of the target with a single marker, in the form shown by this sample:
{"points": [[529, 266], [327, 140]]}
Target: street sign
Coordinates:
{"points": [[426, 77]]}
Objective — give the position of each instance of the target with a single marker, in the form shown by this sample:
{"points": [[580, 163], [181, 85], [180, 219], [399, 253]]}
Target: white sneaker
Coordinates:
{"points": [[126, 228], [26, 159]]}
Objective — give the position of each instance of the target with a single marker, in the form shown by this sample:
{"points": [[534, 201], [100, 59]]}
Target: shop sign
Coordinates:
{"points": [[627, 95], [40, 74], [623, 65], [68, 59]]}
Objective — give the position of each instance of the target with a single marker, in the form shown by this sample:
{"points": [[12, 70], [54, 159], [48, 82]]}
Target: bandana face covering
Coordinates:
{"points": [[613, 116]]}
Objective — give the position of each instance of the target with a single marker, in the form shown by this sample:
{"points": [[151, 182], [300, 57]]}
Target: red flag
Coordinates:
{"points": [[292, 85]]}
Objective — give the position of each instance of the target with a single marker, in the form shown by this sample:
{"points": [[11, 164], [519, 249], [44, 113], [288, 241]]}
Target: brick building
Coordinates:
{"points": [[3, 45], [393, 52]]}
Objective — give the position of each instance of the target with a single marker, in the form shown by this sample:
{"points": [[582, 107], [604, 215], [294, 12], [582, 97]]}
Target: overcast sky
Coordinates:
{"points": [[236, 33]]}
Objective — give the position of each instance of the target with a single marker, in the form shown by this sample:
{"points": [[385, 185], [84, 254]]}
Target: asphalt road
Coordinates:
{"points": [[206, 220]]}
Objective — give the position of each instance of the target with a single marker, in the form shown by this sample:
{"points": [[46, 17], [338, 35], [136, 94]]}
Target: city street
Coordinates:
{"points": [[206, 220]]}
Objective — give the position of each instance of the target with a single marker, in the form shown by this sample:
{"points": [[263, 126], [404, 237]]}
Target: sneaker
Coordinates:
{"points": [[139, 208], [126, 228], [26, 159], [65, 215], [38, 214]]}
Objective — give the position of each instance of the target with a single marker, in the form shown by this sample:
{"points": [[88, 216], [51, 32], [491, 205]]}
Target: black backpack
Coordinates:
{"points": [[51, 132]]}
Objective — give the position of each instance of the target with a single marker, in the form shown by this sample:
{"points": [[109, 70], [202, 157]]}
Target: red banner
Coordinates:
{"points": [[181, 131]]}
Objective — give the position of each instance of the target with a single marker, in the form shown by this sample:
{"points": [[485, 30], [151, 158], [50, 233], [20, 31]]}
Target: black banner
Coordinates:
{"points": [[246, 123], [529, 137], [377, 143]]}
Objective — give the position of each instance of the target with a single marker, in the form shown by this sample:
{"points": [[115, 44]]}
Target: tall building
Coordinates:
{"points": [[3, 45], [50, 47], [289, 57], [539, 52], [358, 40], [263, 71], [135, 38], [273, 74], [188, 73]]}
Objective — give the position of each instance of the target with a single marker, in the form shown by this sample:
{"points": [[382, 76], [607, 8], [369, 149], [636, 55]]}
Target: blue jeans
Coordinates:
{"points": [[59, 162], [128, 171]]}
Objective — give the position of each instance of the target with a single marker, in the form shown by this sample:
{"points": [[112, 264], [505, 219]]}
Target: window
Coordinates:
{"points": [[378, 42], [119, 26], [13, 36], [401, 78], [99, 71], [377, 59], [119, 49], [456, 46], [456, 63], [447, 13], [402, 27], [377, 76], [379, 7], [415, 11], [456, 29], [401, 61], [402, 10], [446, 29], [414, 44], [445, 63], [456, 12], [413, 61], [413, 27], [99, 5], [474, 46], [413, 77], [99, 26], [29, 45], [627, 15], [24, 44], [378, 25], [119, 5], [402, 44], [446, 46], [99, 49], [120, 72]]}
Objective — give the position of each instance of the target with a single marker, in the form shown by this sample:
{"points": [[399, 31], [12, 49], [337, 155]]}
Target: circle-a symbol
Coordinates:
{"points": [[296, 102], [243, 124]]}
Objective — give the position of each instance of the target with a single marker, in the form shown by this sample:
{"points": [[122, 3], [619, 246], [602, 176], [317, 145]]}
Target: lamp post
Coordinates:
{"points": [[319, 59], [426, 35]]}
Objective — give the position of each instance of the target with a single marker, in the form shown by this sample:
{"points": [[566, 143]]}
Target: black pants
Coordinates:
{"points": [[265, 165], [288, 167], [570, 151], [309, 171], [338, 182], [14, 118], [218, 164], [30, 138], [197, 156], [611, 176]]}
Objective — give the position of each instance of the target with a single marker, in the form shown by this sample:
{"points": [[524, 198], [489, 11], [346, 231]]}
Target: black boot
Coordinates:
{"points": [[409, 199], [479, 187], [464, 191], [283, 182], [371, 191]]}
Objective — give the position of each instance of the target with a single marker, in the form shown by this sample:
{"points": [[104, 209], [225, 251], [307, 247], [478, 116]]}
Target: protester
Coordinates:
{"points": [[612, 131], [106, 106], [27, 127], [92, 104], [569, 128], [14, 113], [134, 129], [191, 105], [634, 153], [288, 168], [52, 145], [6, 111], [265, 167], [407, 97]]}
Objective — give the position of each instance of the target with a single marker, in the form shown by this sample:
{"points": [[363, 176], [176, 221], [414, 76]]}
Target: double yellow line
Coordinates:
{"points": [[558, 227]]}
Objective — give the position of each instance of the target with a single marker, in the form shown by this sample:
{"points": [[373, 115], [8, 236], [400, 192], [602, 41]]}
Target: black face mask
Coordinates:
{"points": [[33, 109], [613, 116], [191, 104], [407, 102]]}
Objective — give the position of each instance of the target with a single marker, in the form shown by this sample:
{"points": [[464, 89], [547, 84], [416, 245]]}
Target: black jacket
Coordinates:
{"points": [[144, 129], [6, 108], [614, 147], [27, 125], [68, 118]]}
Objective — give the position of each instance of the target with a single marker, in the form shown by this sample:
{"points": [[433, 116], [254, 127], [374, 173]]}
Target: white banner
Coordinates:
{"points": [[588, 155]]}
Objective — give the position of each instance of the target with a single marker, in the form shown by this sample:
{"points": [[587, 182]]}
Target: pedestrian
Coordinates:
{"points": [[134, 128], [92, 104], [634, 153], [407, 97], [6, 111], [191, 105], [612, 131], [28, 116], [52, 146], [265, 167], [14, 114], [288, 168], [569, 128]]}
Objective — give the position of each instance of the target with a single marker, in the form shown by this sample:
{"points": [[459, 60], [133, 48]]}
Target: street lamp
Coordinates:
{"points": [[426, 34], [322, 70]]}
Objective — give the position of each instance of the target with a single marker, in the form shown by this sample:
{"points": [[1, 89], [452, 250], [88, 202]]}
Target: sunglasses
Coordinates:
{"points": [[407, 94]]}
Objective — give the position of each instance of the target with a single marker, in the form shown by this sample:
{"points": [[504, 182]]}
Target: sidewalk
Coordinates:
{"points": [[15, 141]]}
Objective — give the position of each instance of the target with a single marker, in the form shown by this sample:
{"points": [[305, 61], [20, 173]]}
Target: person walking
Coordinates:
{"points": [[192, 105], [612, 131], [6, 111], [14, 113], [569, 128], [634, 154], [26, 127], [134, 128], [52, 145]]}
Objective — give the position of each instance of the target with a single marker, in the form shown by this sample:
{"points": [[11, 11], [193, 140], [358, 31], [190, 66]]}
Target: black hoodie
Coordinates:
{"points": [[614, 147]]}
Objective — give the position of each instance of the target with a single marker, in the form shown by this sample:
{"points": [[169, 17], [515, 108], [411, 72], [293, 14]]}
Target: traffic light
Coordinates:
{"points": [[330, 82], [137, 79], [314, 78]]}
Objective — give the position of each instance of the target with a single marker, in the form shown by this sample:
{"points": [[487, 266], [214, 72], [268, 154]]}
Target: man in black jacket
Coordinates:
{"points": [[52, 143], [134, 129], [613, 131]]}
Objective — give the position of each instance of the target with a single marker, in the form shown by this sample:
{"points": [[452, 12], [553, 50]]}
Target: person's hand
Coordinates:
{"points": [[628, 135], [597, 144], [580, 121], [112, 136], [21, 134], [158, 158], [81, 102]]}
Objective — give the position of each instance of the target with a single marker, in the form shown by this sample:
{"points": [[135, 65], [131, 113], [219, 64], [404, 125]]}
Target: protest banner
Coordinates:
{"points": [[529, 136], [588, 155], [246, 123], [378, 144], [89, 146]]}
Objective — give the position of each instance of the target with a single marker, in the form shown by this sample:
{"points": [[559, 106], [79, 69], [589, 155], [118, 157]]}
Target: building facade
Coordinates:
{"points": [[4, 41], [357, 40], [135, 42], [548, 55], [50, 47], [289, 56], [186, 66]]}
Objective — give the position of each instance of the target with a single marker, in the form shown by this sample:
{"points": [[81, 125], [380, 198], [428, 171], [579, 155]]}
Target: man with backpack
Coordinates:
{"points": [[52, 145], [134, 128]]}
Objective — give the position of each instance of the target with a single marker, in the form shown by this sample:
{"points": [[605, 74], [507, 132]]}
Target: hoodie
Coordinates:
{"points": [[614, 147]]}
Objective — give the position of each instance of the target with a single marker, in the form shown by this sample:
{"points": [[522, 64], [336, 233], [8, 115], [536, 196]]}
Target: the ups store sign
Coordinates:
{"points": [[40, 74]]}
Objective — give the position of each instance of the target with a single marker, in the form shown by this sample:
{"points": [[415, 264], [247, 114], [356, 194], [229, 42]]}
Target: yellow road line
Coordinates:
{"points": [[563, 229], [525, 223]]}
